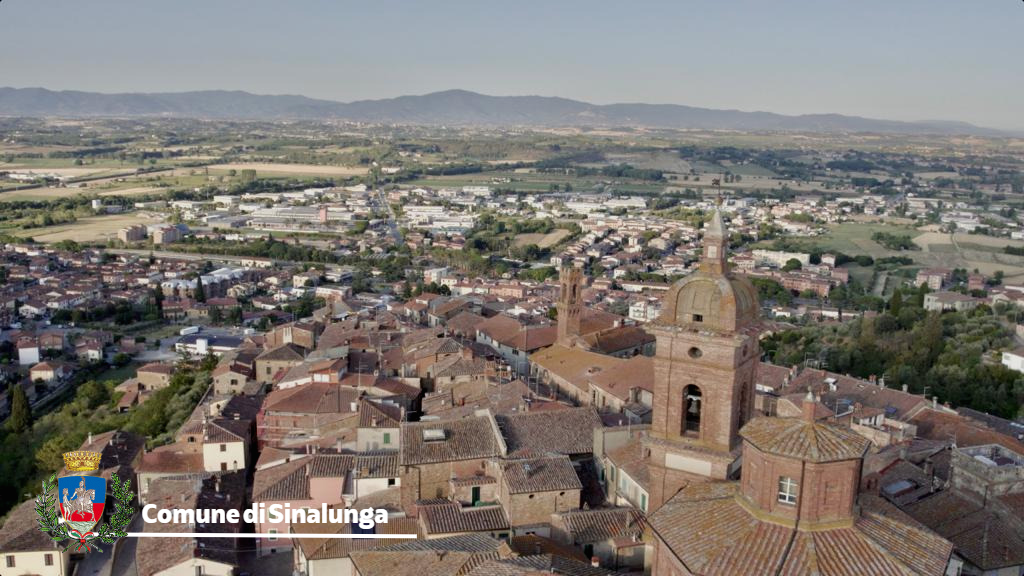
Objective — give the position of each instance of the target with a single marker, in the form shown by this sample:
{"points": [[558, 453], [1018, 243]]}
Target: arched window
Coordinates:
{"points": [[692, 408]]}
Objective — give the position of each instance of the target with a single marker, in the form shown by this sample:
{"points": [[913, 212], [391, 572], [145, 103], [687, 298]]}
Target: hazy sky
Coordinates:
{"points": [[897, 59]]}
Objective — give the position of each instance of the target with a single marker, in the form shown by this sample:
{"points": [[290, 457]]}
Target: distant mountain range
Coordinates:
{"points": [[451, 107]]}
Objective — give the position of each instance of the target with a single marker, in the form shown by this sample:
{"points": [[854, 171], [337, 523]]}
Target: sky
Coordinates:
{"points": [[893, 59]]}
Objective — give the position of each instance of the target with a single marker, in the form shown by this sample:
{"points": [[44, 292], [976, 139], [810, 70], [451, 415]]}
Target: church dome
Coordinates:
{"points": [[708, 302], [712, 298]]}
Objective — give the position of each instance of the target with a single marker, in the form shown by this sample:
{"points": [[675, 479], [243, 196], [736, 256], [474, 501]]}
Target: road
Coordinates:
{"points": [[179, 255], [392, 218]]}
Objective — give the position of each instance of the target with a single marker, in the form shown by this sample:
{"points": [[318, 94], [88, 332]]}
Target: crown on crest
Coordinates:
{"points": [[82, 460]]}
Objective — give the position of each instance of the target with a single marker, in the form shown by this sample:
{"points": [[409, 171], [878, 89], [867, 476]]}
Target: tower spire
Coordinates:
{"points": [[716, 246]]}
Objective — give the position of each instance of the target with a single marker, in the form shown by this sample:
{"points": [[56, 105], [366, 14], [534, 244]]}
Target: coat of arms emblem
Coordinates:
{"points": [[77, 508]]}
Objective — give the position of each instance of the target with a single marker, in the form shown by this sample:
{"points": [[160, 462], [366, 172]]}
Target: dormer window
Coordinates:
{"points": [[787, 490]]}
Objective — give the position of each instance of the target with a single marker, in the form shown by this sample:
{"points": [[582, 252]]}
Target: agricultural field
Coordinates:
{"points": [[92, 229], [268, 168], [549, 240]]}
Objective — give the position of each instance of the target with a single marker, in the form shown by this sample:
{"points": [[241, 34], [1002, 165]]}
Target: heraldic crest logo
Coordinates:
{"points": [[73, 511]]}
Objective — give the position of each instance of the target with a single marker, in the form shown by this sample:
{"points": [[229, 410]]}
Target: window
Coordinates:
{"points": [[272, 531], [223, 447], [391, 481], [643, 502], [48, 559], [387, 438], [223, 466], [787, 490], [698, 317], [10, 561]]}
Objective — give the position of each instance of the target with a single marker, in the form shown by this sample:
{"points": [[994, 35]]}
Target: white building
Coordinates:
{"points": [[1014, 359]]}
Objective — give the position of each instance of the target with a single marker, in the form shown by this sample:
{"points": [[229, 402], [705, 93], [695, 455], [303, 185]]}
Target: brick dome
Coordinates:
{"points": [[712, 298]]}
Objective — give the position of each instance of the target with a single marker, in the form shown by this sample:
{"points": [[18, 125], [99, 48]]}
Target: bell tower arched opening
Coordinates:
{"points": [[693, 405]]}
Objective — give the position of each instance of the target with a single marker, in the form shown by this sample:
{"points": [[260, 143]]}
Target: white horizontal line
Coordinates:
{"points": [[277, 536]]}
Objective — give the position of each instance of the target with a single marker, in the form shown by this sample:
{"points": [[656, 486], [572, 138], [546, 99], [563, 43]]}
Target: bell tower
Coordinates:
{"points": [[570, 304], [704, 369]]}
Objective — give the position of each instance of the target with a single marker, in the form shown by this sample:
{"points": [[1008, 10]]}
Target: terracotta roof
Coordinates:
{"points": [[464, 439], [327, 548], [312, 398], [287, 481], [538, 564], [569, 431], [455, 366], [157, 554], [550, 474], [500, 327], [175, 458], [21, 533], [618, 339], [630, 459], [810, 441], [711, 533], [771, 375], [590, 526], [453, 519], [574, 365], [465, 322], [379, 414], [896, 403], [284, 352], [595, 320], [156, 368], [531, 545], [531, 338], [980, 535], [942, 426], [621, 378], [410, 563]]}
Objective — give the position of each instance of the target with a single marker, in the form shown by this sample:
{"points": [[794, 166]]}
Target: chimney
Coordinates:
{"points": [[595, 562], [216, 484], [537, 548], [905, 388], [90, 438], [935, 402], [809, 406]]}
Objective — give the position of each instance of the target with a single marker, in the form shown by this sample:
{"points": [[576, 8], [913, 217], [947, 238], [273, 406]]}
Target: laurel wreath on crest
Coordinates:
{"points": [[50, 521]]}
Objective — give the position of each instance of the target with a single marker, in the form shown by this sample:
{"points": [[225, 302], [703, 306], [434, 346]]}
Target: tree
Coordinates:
{"points": [[792, 264], [200, 293], [21, 413], [216, 316], [896, 303]]}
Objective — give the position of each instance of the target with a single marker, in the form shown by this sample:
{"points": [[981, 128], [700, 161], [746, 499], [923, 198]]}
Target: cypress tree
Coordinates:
{"points": [[200, 294], [21, 412]]}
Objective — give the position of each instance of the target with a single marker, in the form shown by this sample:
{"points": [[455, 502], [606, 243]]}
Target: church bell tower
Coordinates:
{"points": [[704, 369]]}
